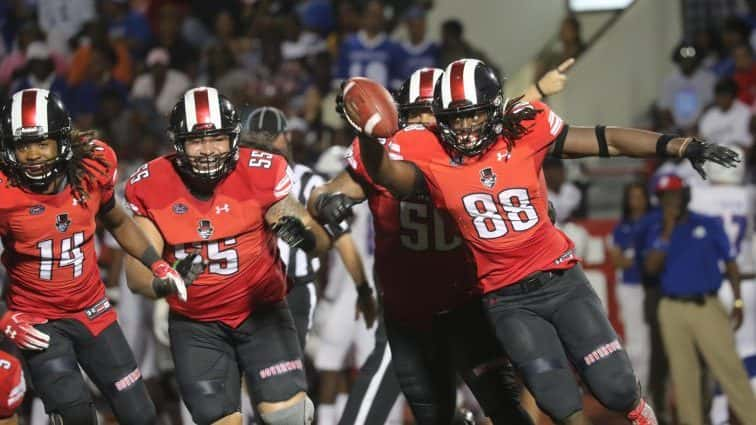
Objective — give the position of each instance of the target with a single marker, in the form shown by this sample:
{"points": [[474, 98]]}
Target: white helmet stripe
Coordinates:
{"points": [[16, 114], [468, 78], [446, 97], [414, 86], [42, 99]]}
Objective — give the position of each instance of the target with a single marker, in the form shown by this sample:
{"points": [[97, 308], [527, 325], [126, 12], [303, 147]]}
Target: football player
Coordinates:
{"points": [[228, 204], [55, 182], [728, 198], [420, 256], [482, 165], [12, 388]]}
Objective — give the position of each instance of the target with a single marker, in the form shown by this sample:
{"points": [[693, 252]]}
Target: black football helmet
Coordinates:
{"points": [[29, 116], [467, 87], [204, 112], [416, 93]]}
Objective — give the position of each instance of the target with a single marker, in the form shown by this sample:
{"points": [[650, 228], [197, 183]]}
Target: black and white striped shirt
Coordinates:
{"points": [[298, 266]]}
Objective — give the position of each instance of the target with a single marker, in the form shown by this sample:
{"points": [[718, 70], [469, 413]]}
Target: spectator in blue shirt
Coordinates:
{"points": [[418, 51], [685, 249], [369, 52], [131, 25], [630, 293]]}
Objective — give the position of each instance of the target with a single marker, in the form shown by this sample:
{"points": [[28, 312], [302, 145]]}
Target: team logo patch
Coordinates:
{"points": [[488, 177], [36, 210], [205, 229], [180, 208], [62, 222]]}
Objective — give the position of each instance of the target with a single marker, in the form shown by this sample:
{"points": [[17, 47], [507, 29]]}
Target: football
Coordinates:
{"points": [[370, 108]]}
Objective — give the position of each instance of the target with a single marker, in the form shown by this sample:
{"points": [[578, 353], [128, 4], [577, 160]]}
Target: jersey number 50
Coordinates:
{"points": [[422, 228], [487, 220]]}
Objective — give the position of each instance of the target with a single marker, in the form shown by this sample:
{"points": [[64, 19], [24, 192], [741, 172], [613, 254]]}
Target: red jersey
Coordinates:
{"points": [[12, 384], [229, 229], [498, 199], [420, 261], [49, 248]]}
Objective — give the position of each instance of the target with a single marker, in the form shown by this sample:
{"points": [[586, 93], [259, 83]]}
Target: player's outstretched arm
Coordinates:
{"points": [[293, 224], [402, 178], [618, 141], [342, 183], [550, 84]]}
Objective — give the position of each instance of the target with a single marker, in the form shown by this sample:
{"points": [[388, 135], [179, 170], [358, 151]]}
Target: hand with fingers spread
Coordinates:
{"points": [[19, 328], [555, 80], [698, 152]]}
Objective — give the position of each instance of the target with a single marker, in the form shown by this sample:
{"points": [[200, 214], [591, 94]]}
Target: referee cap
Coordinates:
{"points": [[266, 119]]}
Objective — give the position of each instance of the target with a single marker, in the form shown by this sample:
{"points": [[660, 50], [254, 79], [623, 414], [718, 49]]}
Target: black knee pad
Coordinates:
{"points": [[615, 386], [208, 401], [144, 414], [554, 388], [77, 414]]}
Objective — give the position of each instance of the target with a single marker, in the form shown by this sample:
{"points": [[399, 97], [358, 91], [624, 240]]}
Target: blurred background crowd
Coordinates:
{"points": [[120, 66]]}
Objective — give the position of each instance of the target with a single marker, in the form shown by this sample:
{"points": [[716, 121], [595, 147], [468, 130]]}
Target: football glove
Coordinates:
{"points": [[168, 281], [699, 151], [292, 231], [19, 328], [334, 210]]}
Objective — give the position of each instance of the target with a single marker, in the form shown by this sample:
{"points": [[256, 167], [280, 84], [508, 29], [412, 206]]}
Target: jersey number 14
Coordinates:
{"points": [[70, 256]]}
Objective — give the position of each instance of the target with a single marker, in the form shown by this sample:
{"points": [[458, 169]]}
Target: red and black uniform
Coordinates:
{"points": [[431, 304], [547, 316], [49, 248], [235, 317], [12, 385], [52, 269]]}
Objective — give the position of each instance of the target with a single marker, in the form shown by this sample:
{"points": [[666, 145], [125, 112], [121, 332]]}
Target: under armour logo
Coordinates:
{"points": [[9, 332], [220, 209], [74, 202], [502, 155]]}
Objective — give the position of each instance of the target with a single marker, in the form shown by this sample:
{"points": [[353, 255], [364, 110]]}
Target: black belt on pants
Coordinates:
{"points": [[698, 299], [530, 283]]}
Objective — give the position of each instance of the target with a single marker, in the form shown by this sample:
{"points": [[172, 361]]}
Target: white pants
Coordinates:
{"points": [[637, 337]]}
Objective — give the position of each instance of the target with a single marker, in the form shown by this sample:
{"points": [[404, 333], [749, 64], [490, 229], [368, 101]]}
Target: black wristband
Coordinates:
{"points": [[364, 290], [162, 287], [538, 87], [149, 257], [602, 145], [661, 145]]}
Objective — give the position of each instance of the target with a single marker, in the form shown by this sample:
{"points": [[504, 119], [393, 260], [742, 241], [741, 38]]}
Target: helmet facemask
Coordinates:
{"points": [[479, 135], [207, 169], [40, 173]]}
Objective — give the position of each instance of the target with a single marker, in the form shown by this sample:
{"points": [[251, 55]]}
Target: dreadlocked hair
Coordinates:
{"points": [[79, 173], [511, 120]]}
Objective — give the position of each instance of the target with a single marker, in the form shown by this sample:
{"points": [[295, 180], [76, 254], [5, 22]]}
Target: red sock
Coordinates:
{"points": [[643, 414]]}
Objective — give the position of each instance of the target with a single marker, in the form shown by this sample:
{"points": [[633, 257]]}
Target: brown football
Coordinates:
{"points": [[370, 107]]}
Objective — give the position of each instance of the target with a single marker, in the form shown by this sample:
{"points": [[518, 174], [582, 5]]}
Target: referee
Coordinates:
{"points": [[266, 128]]}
